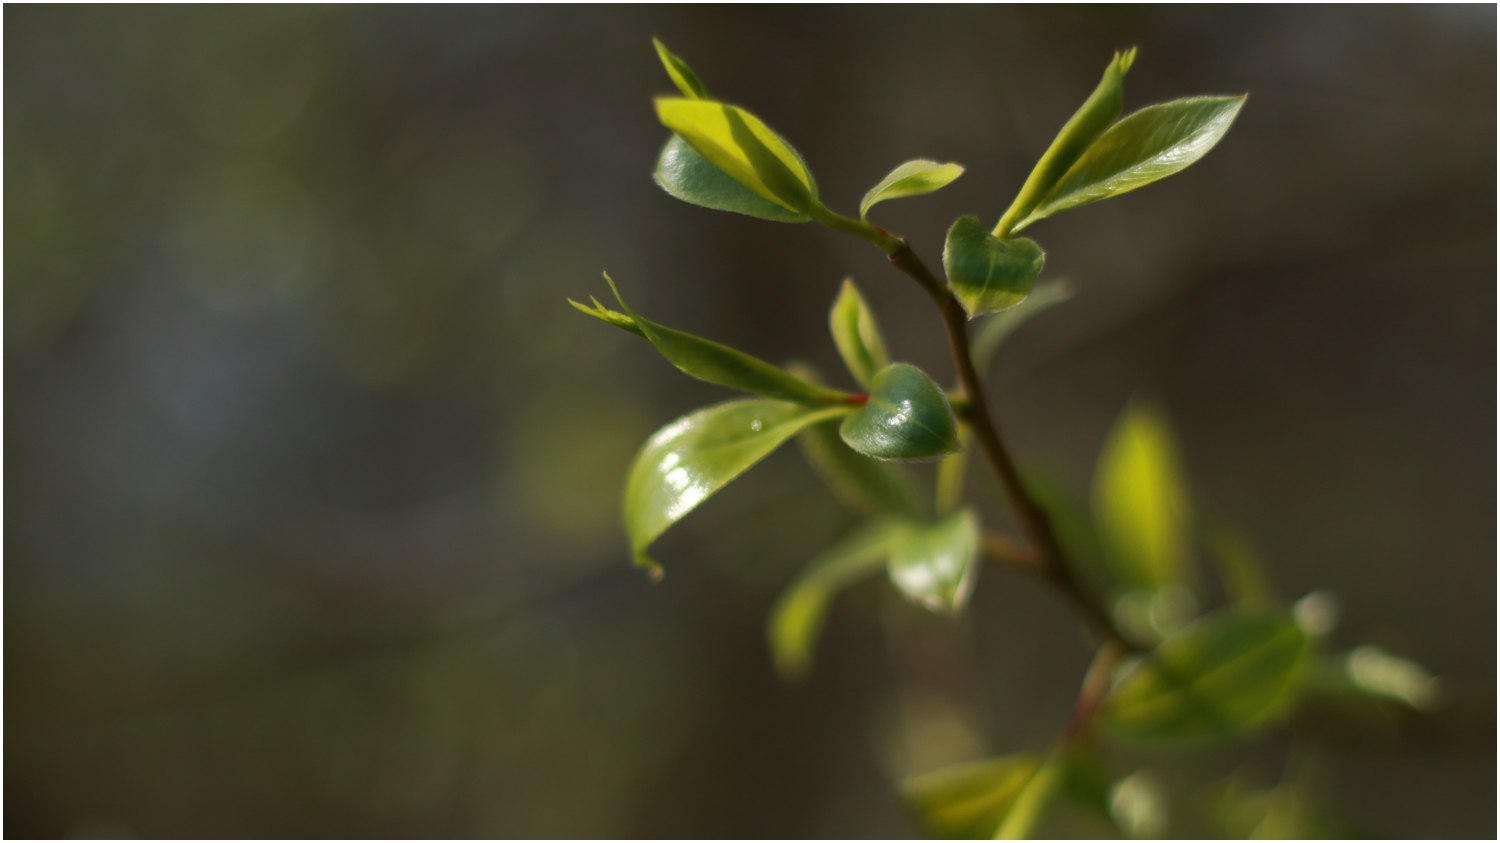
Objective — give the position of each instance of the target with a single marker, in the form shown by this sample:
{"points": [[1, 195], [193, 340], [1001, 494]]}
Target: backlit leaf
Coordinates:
{"points": [[906, 417], [913, 178], [738, 143], [1031, 803], [712, 362], [682, 76], [1151, 144], [797, 618], [858, 481], [986, 273], [693, 457], [936, 564], [969, 801], [856, 334], [988, 339], [683, 172], [1219, 677], [1141, 503], [1097, 113]]}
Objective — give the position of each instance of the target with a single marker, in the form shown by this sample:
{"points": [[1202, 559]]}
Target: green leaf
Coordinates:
{"points": [[1031, 803], [1151, 144], [986, 273], [1221, 676], [682, 76], [952, 472], [1378, 673], [693, 457], [738, 143], [969, 801], [1138, 805], [997, 328], [913, 178], [709, 361], [906, 417], [797, 618], [687, 175], [1085, 126], [858, 481], [1239, 570], [858, 338], [1141, 502], [934, 564]]}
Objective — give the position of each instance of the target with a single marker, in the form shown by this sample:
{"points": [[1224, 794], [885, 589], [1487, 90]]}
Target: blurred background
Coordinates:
{"points": [[312, 517]]}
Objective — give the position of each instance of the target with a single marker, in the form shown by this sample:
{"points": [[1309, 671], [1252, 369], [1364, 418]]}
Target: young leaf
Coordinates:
{"points": [[693, 457], [997, 328], [1239, 570], [687, 175], [906, 417], [969, 801], [952, 472], [1032, 802], [865, 484], [1085, 126], [934, 564], [682, 76], [709, 361], [797, 618], [986, 273], [1221, 676], [1141, 502], [858, 338], [913, 178], [1151, 144], [738, 143]]}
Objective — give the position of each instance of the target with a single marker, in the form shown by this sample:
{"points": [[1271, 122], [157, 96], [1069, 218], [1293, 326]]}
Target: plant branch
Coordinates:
{"points": [[1052, 561]]}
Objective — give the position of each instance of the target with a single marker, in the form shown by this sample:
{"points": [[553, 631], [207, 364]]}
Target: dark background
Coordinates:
{"points": [[312, 475]]}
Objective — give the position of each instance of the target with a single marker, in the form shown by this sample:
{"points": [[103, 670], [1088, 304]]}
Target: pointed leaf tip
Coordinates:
{"points": [[855, 332], [914, 178], [682, 76]]}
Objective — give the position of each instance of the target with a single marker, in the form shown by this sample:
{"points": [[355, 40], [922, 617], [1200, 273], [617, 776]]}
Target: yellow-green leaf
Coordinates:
{"points": [[1031, 803], [935, 564], [797, 618], [906, 417], [1151, 144], [1225, 674], [852, 323], [988, 273], [738, 143], [1141, 502], [970, 801], [914, 178], [695, 456], [1101, 109], [682, 76], [687, 175]]}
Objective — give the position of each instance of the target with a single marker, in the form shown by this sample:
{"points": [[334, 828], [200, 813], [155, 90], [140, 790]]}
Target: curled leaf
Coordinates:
{"points": [[988, 273], [683, 172], [852, 323], [682, 76], [738, 143], [914, 178]]}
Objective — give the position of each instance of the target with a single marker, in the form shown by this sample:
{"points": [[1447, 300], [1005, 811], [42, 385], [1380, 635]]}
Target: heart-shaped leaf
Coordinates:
{"points": [[797, 618], [935, 564], [856, 334], [988, 339], [971, 800], [1141, 502], [738, 143], [865, 484], [1151, 144], [985, 272], [906, 417], [687, 175], [913, 178], [1101, 109], [682, 76], [712, 362], [693, 457], [1218, 677]]}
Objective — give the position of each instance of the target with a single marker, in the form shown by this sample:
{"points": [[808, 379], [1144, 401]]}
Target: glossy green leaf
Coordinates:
{"points": [[936, 564], [906, 417], [1151, 144], [858, 481], [970, 801], [797, 618], [852, 323], [683, 172], [1031, 803], [913, 178], [986, 273], [1141, 502], [1221, 676], [995, 330], [712, 362], [693, 457], [1097, 113], [738, 143], [682, 76]]}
